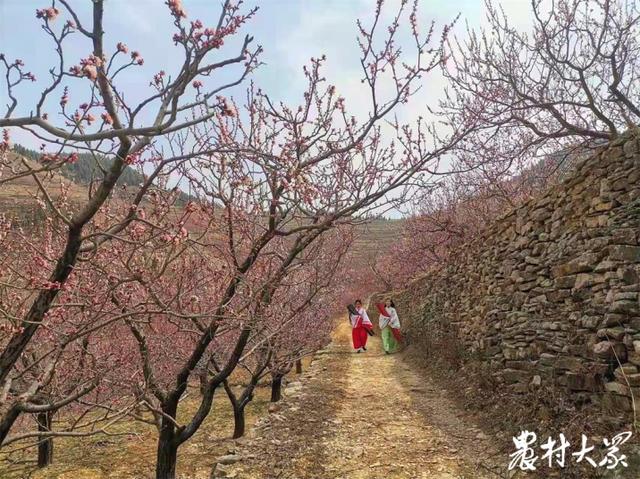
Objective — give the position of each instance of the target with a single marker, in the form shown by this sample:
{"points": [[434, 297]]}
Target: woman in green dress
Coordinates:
{"points": [[390, 327]]}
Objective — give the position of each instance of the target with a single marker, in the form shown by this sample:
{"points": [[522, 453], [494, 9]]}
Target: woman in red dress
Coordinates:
{"points": [[361, 326]]}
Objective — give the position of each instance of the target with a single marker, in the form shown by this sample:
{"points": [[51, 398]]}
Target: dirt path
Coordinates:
{"points": [[359, 416]]}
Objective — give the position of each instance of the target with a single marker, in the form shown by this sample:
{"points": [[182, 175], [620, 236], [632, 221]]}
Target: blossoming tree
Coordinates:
{"points": [[267, 182]]}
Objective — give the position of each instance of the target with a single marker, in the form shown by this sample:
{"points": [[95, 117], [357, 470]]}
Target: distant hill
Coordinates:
{"points": [[90, 168], [86, 169]]}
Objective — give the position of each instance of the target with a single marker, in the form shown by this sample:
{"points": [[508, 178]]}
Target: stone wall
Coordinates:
{"points": [[549, 293]]}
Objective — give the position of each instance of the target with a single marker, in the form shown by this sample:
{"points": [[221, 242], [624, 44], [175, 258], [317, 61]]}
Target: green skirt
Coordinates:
{"points": [[389, 343]]}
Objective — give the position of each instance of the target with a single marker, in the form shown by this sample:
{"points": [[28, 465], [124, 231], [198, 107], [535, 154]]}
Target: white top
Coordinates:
{"points": [[365, 317], [391, 320]]}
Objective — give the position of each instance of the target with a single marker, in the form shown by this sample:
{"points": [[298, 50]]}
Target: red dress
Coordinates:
{"points": [[358, 332]]}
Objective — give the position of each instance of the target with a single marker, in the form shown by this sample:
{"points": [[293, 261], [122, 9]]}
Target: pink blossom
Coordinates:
{"points": [[177, 9], [6, 141], [65, 97], [157, 78], [90, 71], [197, 84], [47, 13], [107, 118], [121, 47], [132, 159]]}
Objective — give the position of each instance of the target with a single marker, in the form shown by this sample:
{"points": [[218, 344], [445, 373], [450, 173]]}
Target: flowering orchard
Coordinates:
{"points": [[120, 299], [535, 102]]}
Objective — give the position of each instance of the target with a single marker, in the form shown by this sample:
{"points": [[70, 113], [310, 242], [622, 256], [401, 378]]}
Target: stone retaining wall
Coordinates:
{"points": [[549, 293]]}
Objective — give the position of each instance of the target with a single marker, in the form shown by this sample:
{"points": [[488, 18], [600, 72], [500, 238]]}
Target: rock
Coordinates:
{"points": [[568, 362], [616, 388], [583, 382], [565, 282], [625, 306], [610, 351], [615, 334], [222, 470], [632, 379], [627, 369], [229, 459], [586, 280], [274, 407], [625, 253], [536, 382], [515, 375], [613, 404]]}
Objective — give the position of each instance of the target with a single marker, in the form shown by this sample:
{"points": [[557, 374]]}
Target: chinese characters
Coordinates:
{"points": [[557, 453]]}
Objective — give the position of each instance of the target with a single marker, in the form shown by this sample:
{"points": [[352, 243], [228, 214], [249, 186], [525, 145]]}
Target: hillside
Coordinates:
{"points": [[88, 168], [19, 198]]}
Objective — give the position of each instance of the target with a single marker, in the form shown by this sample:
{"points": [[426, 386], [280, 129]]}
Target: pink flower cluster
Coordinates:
{"points": [[158, 78], [177, 237], [51, 158], [135, 56], [208, 38], [177, 9], [226, 107], [107, 118], [64, 99], [88, 117], [47, 13], [88, 67], [6, 141], [132, 159]]}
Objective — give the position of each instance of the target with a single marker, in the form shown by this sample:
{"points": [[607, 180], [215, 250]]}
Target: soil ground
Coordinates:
{"points": [[367, 415]]}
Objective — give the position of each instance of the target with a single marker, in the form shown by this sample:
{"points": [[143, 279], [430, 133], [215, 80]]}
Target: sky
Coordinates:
{"points": [[290, 31]]}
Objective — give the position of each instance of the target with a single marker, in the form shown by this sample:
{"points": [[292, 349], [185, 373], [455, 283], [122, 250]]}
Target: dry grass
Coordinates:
{"points": [[133, 456]]}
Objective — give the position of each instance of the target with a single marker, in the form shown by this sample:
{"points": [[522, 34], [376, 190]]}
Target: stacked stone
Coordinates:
{"points": [[549, 293]]}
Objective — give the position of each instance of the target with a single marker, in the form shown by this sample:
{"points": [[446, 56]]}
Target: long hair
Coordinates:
{"points": [[393, 305]]}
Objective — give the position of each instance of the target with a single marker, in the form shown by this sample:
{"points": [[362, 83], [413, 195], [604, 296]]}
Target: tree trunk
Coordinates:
{"points": [[299, 366], [167, 453], [276, 388], [7, 422], [203, 383], [45, 444], [238, 421]]}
